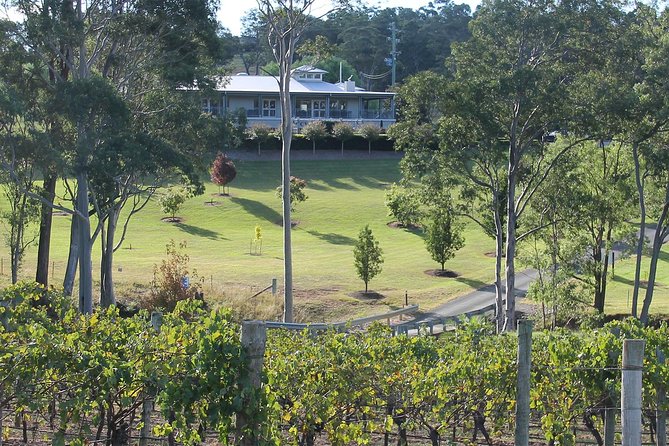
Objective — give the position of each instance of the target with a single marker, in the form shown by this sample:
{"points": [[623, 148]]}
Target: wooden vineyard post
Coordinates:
{"points": [[631, 391], [522, 432], [147, 403], [1, 415], [661, 414], [253, 338], [612, 408]]}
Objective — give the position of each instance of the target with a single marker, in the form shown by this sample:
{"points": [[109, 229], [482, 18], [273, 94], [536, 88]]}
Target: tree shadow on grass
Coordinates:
{"points": [[200, 232], [257, 209], [476, 284], [335, 239]]}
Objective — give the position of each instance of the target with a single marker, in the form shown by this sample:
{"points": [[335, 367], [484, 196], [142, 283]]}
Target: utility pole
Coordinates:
{"points": [[393, 53]]}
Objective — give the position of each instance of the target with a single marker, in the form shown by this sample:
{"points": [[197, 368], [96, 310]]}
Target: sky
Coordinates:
{"points": [[231, 11]]}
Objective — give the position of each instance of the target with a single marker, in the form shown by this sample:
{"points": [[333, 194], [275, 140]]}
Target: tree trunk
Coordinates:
{"points": [[660, 233], [499, 251], [342, 148], [85, 246], [17, 237], [72, 258], [435, 438], [42, 274], [107, 295], [286, 139], [313, 146], [598, 270], [642, 228], [510, 309]]}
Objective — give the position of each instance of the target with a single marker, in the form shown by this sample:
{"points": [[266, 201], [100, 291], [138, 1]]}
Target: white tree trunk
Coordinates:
{"points": [[85, 246], [510, 308], [660, 233], [286, 140], [107, 295], [642, 229]]}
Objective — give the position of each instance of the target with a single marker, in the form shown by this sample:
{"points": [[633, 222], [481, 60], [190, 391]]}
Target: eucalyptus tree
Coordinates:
{"points": [[18, 142], [286, 22], [524, 58], [105, 59], [450, 144], [637, 104], [658, 158]]}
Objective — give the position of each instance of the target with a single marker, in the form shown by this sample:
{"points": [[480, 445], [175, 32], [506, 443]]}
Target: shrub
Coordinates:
{"points": [[403, 205], [297, 195], [173, 282], [171, 202]]}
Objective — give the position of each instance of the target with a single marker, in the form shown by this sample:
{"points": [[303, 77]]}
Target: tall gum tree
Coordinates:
{"points": [[525, 55], [637, 100], [447, 142], [126, 44], [286, 21]]}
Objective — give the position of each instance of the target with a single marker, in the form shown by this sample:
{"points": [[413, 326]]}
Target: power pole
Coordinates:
{"points": [[393, 53]]}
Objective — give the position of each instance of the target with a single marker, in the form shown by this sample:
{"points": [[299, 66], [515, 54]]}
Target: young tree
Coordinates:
{"points": [[343, 132], [223, 171], [371, 133], [171, 202], [367, 256], [260, 133], [297, 195], [314, 131], [403, 204], [443, 235]]}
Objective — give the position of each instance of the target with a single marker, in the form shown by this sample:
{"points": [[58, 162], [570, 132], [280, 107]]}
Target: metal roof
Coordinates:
{"points": [[269, 84]]}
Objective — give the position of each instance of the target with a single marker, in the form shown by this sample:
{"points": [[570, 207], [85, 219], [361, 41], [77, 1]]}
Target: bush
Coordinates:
{"points": [[173, 282], [297, 195], [403, 205], [171, 202]]}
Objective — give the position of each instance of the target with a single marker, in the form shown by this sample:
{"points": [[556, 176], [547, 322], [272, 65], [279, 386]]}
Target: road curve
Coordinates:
{"points": [[476, 299]]}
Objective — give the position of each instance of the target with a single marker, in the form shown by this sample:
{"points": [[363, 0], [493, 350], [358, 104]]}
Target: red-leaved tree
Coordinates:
{"points": [[223, 171]]}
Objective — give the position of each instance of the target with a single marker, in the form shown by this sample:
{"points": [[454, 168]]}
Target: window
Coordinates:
{"points": [[338, 109], [210, 106], [319, 109], [302, 108], [269, 107]]}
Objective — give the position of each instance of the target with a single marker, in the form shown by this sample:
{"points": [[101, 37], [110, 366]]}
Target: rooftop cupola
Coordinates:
{"points": [[308, 73]]}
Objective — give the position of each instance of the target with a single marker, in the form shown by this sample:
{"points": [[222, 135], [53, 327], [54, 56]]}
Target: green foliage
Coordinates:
{"points": [[443, 235], [347, 387], [367, 256], [297, 195], [403, 205], [314, 131], [343, 131], [168, 285], [171, 202]]}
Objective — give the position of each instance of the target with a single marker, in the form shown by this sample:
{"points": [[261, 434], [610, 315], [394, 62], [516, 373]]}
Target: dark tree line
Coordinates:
{"points": [[359, 37]]}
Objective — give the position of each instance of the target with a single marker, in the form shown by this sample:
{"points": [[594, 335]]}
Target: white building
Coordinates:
{"points": [[312, 99]]}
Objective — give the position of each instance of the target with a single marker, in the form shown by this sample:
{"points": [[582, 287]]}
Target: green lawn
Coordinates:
{"points": [[344, 196]]}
